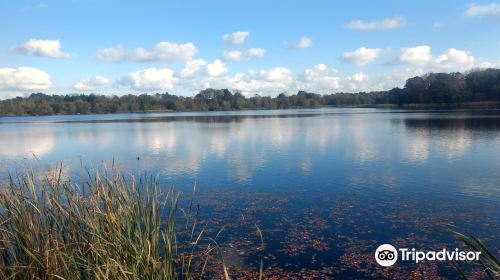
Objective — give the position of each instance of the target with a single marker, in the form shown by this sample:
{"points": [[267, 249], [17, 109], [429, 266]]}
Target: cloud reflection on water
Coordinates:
{"points": [[26, 142], [238, 147]]}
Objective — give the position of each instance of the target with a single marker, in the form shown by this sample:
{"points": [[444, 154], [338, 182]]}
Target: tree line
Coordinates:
{"points": [[432, 88]]}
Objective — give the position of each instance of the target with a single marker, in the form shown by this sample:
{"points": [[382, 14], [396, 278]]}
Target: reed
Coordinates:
{"points": [[110, 227], [488, 263]]}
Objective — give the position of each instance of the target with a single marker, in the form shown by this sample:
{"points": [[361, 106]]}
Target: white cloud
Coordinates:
{"points": [[150, 79], [165, 51], [362, 56], [216, 68], [320, 79], [256, 52], [236, 37], [265, 82], [417, 55], [192, 67], [23, 79], [455, 60], [91, 83], [277, 74], [357, 82], [249, 85], [111, 54], [232, 55], [50, 48], [357, 77], [452, 59], [303, 43], [387, 23], [317, 70], [162, 51], [476, 10], [238, 55], [487, 64]]}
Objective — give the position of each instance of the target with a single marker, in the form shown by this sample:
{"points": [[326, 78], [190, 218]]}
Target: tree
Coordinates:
{"points": [[416, 90]]}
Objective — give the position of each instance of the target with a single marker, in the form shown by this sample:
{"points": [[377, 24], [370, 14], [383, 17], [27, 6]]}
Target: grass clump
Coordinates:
{"points": [[488, 263], [109, 227]]}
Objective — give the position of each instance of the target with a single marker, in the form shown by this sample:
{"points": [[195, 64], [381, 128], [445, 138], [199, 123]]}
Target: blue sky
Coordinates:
{"points": [[119, 47]]}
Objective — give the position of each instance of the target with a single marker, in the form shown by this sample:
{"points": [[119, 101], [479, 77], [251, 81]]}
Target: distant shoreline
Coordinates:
{"points": [[415, 107]]}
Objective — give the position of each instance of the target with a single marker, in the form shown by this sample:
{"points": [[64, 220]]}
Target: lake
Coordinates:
{"points": [[326, 186]]}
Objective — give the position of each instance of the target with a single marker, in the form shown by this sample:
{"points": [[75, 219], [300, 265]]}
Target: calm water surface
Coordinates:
{"points": [[326, 186]]}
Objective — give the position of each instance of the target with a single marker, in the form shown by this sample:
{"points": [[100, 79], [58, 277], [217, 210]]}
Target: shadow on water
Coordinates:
{"points": [[479, 123], [198, 119]]}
